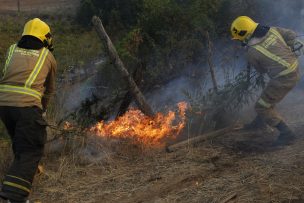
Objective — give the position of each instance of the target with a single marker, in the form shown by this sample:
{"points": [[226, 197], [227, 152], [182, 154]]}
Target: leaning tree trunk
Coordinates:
{"points": [[210, 63], [128, 98], [138, 96]]}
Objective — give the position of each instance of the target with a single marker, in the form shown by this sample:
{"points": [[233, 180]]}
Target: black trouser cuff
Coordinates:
{"points": [[13, 197], [16, 187]]}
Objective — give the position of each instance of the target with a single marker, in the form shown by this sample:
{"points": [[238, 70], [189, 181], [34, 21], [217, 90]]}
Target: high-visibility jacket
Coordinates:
{"points": [[273, 54], [28, 76]]}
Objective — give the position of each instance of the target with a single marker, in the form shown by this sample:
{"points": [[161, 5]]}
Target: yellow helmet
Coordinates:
{"points": [[242, 28], [38, 29]]}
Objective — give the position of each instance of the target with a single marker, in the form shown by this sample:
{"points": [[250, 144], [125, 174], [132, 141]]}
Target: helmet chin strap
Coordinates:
{"points": [[48, 45], [259, 32], [51, 47], [246, 40], [244, 44], [48, 42]]}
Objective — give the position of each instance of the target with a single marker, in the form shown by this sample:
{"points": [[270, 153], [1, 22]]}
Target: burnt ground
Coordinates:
{"points": [[240, 164]]}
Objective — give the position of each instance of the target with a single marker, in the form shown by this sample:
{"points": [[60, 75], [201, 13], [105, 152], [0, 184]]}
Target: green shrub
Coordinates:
{"points": [[171, 32], [74, 45]]}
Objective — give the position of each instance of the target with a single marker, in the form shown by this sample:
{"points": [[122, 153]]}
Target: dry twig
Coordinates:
{"points": [[230, 197], [201, 138]]}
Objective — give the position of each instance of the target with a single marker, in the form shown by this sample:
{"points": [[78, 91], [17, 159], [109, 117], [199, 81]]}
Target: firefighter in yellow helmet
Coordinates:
{"points": [[26, 86], [270, 51]]}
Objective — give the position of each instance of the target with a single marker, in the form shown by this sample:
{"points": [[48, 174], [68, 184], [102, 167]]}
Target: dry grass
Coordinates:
{"points": [[96, 171], [5, 156]]}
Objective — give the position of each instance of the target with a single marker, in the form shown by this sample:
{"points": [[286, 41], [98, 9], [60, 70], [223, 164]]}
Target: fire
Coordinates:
{"points": [[67, 125], [139, 127]]}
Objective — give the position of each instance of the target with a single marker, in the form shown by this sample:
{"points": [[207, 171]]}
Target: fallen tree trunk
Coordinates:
{"points": [[138, 96], [201, 138]]}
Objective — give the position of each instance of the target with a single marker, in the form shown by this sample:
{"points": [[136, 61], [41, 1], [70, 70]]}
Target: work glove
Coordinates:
{"points": [[298, 47], [44, 114]]}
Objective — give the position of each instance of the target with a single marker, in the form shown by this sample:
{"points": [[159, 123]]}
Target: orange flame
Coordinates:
{"points": [[67, 125], [134, 124]]}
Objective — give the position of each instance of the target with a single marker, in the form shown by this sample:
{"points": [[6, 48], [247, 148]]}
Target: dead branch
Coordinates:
{"points": [[210, 63], [248, 72], [201, 138], [230, 197], [60, 132], [139, 97]]}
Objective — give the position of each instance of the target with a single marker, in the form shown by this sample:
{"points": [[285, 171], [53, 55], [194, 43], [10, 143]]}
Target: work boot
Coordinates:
{"points": [[3, 195], [256, 124], [286, 136]]}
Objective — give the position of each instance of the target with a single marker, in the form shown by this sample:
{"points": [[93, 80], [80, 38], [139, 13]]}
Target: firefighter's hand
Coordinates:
{"points": [[298, 47], [44, 115]]}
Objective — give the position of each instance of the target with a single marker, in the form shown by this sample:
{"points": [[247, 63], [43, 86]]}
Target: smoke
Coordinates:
{"points": [[228, 61], [78, 85], [227, 57], [289, 14], [170, 94]]}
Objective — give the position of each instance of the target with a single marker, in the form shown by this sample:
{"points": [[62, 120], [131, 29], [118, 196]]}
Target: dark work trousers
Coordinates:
{"points": [[27, 130], [274, 92]]}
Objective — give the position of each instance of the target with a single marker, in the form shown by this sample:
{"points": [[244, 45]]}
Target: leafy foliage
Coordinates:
{"points": [[74, 46], [214, 106], [167, 35], [113, 12]]}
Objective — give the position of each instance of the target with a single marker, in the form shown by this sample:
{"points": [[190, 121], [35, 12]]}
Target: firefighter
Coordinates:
{"points": [[26, 86], [270, 51]]}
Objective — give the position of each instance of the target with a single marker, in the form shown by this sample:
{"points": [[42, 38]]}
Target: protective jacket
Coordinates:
{"points": [[28, 77], [272, 53]]}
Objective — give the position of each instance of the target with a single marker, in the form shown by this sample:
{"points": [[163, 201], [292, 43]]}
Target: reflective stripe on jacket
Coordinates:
{"points": [[28, 75], [273, 55]]}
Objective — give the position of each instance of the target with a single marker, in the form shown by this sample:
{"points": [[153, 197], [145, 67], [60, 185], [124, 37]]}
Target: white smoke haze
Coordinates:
{"points": [[78, 85], [228, 60]]}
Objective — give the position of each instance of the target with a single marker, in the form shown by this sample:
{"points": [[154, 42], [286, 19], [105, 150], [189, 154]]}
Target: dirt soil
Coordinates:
{"points": [[240, 166]]}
